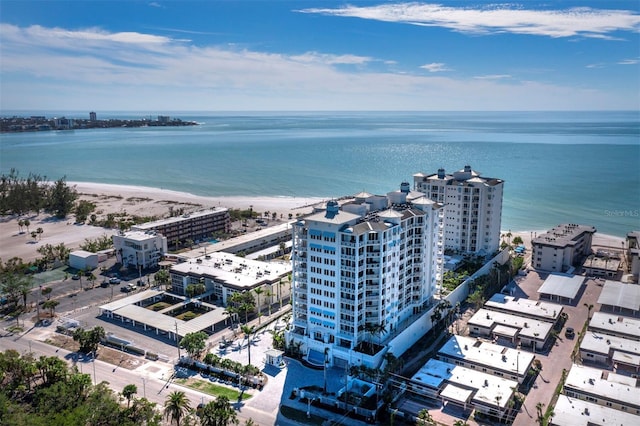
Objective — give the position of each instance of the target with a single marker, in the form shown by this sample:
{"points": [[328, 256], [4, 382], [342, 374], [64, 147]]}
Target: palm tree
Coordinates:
{"points": [[20, 225], [424, 417], [46, 291], [258, 291], [39, 231], [91, 278], [26, 223], [128, 393], [51, 305], [176, 406], [248, 331], [589, 308], [162, 277], [539, 407], [218, 413], [269, 295]]}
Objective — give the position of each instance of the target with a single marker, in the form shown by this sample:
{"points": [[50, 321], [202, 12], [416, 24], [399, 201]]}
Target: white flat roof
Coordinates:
{"points": [[528, 327], [525, 307], [615, 293], [487, 386], [576, 412], [604, 344], [612, 386], [455, 393], [127, 309], [479, 352], [266, 233], [566, 286], [616, 324], [232, 270]]}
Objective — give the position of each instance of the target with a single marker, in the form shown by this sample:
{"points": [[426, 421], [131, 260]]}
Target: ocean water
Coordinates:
{"points": [[577, 167]]}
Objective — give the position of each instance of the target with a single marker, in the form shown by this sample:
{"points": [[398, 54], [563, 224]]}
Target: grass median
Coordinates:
{"points": [[213, 389]]}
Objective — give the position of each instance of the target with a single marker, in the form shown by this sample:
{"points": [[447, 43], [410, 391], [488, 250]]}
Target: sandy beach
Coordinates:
{"points": [[132, 200], [145, 201]]}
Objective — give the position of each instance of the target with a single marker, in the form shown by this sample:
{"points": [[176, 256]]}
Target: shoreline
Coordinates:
{"points": [[280, 204], [157, 202]]}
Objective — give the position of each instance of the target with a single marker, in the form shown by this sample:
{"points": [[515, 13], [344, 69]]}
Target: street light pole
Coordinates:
{"points": [[144, 388], [177, 341]]}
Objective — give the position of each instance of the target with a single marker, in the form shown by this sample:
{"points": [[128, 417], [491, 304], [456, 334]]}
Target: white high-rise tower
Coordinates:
{"points": [[361, 271], [473, 208]]}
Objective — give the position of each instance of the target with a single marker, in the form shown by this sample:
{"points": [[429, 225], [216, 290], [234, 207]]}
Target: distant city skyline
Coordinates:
{"points": [[319, 55]]}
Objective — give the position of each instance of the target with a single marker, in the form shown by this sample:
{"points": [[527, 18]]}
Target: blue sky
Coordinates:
{"points": [[319, 55]]}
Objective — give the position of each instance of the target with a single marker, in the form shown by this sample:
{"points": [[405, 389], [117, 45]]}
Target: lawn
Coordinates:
{"points": [[158, 306], [301, 416], [213, 389]]}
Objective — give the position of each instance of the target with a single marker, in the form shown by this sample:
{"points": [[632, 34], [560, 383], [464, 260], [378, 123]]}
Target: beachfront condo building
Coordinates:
{"points": [[193, 227], [473, 208], [562, 247], [138, 249], [361, 273]]}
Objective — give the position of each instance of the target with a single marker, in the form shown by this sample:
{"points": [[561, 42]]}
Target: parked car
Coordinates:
{"points": [[569, 333], [114, 280], [76, 277], [126, 289]]}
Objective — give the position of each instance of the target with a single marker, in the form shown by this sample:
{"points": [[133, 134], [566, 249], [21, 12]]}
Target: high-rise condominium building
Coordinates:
{"points": [[362, 270], [473, 208]]}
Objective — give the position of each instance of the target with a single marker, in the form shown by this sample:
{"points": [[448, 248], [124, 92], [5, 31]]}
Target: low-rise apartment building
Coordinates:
{"points": [[562, 247], [615, 325], [196, 227], [603, 388], [510, 330], [139, 249], [527, 308], [464, 387], [486, 357], [610, 351], [224, 274], [576, 412]]}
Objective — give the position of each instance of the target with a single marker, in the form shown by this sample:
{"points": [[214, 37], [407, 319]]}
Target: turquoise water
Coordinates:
{"points": [[578, 167]]}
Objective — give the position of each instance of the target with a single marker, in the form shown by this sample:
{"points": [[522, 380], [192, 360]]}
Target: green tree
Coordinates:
{"points": [[258, 291], [243, 302], [193, 290], [248, 331], [14, 284], [219, 412], [51, 305], [162, 277], [91, 278], [269, 295], [424, 418], [176, 406], [83, 209], [517, 240], [128, 392], [39, 231], [61, 198], [27, 222], [194, 343], [89, 339]]}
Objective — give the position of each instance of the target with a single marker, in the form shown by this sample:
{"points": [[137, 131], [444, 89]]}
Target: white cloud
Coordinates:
{"points": [[629, 61], [54, 68], [583, 21], [493, 77], [435, 67], [331, 59]]}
